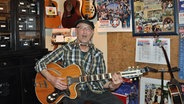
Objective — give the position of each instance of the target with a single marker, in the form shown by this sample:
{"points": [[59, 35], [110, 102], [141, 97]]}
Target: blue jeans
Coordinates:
{"points": [[88, 97]]}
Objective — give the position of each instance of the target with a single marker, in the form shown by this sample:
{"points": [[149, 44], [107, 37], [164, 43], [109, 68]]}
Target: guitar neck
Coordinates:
{"points": [[91, 78]]}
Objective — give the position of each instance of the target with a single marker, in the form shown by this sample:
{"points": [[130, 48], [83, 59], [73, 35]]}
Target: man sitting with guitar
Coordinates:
{"points": [[84, 54]]}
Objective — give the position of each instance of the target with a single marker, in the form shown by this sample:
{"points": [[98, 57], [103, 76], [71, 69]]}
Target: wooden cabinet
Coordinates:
{"points": [[6, 30], [17, 76], [22, 43], [21, 24]]}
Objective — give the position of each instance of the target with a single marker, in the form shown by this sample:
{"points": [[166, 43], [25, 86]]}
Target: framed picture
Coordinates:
{"points": [[150, 16], [150, 91], [114, 15]]}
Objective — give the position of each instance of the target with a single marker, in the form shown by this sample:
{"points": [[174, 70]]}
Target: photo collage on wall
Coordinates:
{"points": [[114, 15], [152, 16]]}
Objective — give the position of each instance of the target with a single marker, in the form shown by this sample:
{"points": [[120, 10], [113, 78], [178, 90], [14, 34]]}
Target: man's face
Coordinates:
{"points": [[84, 32]]}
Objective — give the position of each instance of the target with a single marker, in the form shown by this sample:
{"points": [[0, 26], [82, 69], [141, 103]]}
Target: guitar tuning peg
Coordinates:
{"points": [[129, 68]]}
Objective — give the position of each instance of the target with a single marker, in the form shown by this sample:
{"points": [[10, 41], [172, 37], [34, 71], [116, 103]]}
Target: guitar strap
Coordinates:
{"points": [[85, 55], [90, 71]]}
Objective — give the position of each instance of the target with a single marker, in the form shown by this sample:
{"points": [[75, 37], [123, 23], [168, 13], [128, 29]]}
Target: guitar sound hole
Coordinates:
{"points": [[53, 5]]}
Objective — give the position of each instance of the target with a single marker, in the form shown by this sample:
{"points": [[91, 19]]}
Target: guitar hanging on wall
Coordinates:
{"points": [[174, 86], [88, 9], [52, 19], [71, 13]]}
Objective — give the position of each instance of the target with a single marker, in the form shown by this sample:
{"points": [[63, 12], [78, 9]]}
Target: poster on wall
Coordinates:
{"points": [[181, 39], [150, 91], [181, 6], [114, 15], [149, 51], [152, 16]]}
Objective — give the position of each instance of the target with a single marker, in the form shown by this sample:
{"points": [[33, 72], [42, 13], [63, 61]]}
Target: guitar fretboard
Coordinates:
{"points": [[89, 78]]}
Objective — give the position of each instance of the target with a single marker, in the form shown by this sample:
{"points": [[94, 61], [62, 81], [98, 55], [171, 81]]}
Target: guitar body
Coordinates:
{"points": [[44, 89], [47, 94], [52, 21], [174, 93], [88, 9], [71, 13]]}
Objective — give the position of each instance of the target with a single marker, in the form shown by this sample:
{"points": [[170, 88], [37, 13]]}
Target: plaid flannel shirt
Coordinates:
{"points": [[92, 63]]}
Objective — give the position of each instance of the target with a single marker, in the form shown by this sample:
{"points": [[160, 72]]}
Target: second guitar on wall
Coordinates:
{"points": [[73, 10]]}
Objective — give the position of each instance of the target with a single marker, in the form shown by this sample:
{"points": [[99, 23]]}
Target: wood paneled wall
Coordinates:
{"points": [[121, 48]]}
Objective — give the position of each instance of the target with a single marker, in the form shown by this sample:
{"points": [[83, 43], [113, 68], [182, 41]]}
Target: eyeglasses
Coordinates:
{"points": [[84, 28]]}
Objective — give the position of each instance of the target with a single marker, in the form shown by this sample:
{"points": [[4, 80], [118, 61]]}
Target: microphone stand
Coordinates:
{"points": [[162, 85], [162, 71], [162, 81], [171, 74]]}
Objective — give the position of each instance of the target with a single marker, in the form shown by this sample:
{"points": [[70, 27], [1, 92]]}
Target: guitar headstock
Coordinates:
{"points": [[133, 72]]}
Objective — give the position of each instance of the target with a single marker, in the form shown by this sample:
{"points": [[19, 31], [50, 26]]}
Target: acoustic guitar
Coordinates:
{"points": [[71, 13], [47, 94], [52, 18], [88, 9], [173, 86]]}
